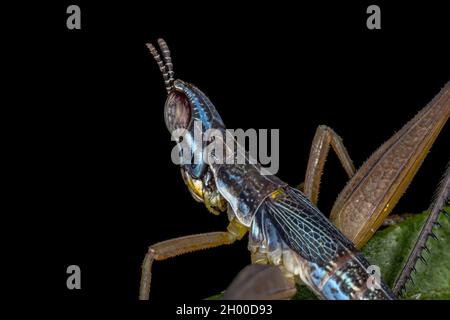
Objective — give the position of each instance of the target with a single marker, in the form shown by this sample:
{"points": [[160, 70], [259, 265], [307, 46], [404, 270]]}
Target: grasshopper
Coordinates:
{"points": [[284, 225]]}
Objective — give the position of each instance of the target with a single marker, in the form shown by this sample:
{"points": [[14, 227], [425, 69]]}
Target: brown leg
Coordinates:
{"points": [[260, 282], [375, 189], [174, 247], [325, 136]]}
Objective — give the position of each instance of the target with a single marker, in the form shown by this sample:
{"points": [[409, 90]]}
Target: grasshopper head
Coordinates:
{"points": [[185, 104], [188, 109]]}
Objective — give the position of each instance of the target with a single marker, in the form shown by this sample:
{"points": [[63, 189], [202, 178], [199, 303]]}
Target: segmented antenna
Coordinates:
{"points": [[165, 67], [440, 200], [167, 59]]}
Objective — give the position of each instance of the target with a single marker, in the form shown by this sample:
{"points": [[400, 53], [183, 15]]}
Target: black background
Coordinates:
{"points": [[101, 184]]}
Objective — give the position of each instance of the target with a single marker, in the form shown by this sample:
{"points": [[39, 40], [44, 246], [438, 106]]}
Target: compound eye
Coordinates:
{"points": [[177, 111]]}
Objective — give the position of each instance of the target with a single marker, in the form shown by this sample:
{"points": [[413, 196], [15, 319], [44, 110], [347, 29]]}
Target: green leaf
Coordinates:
{"points": [[389, 249], [215, 297], [303, 293]]}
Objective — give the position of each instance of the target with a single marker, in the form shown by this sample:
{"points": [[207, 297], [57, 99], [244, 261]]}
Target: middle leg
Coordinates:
{"points": [[324, 137]]}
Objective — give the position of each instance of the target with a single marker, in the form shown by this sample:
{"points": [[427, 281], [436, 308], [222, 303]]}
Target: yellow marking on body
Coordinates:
{"points": [[196, 186], [276, 193]]}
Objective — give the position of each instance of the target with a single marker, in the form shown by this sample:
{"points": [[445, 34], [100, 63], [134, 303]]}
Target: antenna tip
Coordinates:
{"points": [[161, 41], [150, 46]]}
